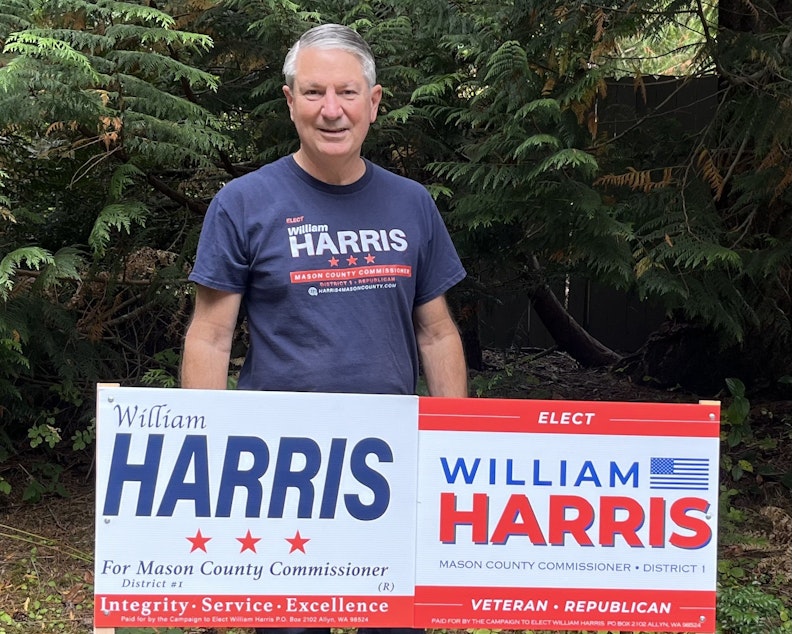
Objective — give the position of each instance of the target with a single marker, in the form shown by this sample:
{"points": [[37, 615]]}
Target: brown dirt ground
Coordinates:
{"points": [[46, 548]]}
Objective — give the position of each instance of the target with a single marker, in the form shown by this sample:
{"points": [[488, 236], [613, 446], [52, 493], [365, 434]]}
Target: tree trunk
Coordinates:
{"points": [[567, 333]]}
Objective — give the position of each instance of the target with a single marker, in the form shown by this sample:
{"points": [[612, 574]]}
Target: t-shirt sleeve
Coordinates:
{"points": [[440, 267], [221, 261]]}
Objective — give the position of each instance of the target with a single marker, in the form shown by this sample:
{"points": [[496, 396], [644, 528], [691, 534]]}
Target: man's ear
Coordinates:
{"points": [[376, 97], [289, 100]]}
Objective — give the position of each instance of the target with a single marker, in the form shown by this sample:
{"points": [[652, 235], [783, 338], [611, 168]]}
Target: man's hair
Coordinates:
{"points": [[332, 36]]}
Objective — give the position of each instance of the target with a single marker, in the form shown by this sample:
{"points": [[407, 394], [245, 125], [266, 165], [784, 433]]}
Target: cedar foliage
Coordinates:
{"points": [[119, 121], [713, 235], [97, 131]]}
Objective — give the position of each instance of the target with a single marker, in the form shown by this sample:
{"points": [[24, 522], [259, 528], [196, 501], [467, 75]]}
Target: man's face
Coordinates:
{"points": [[331, 106]]}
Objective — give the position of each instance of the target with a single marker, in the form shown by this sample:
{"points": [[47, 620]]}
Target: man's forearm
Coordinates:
{"points": [[207, 343], [204, 365], [444, 366]]}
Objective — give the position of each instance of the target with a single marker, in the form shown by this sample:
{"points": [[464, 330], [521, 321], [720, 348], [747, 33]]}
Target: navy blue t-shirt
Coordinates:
{"points": [[330, 275]]}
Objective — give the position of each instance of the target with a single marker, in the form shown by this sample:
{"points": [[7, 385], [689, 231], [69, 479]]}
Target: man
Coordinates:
{"points": [[339, 265]]}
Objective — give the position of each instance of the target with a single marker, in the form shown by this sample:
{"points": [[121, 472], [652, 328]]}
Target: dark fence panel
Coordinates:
{"points": [[691, 103], [617, 319]]}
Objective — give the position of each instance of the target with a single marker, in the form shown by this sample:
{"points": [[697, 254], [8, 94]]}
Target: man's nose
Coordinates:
{"points": [[331, 108]]}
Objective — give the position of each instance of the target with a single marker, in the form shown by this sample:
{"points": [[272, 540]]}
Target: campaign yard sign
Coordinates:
{"points": [[567, 515], [240, 509], [249, 508]]}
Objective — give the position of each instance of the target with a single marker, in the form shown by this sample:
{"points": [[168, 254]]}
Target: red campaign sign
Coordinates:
{"points": [[565, 515]]}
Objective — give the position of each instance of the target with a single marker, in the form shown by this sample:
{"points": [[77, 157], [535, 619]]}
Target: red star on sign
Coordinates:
{"points": [[333, 261], [297, 542], [248, 542], [198, 542], [351, 260], [370, 259]]}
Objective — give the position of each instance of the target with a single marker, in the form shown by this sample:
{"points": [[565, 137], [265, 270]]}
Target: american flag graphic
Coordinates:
{"points": [[679, 473]]}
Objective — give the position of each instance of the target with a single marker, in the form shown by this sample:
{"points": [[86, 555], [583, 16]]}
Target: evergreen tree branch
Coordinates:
{"points": [[163, 188], [732, 167], [224, 158]]}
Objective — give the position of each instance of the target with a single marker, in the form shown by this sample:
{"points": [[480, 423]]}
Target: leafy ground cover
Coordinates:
{"points": [[46, 546]]}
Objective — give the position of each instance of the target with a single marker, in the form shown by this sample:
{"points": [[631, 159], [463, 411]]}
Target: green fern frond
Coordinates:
{"points": [[549, 109], [534, 142], [116, 217], [29, 257], [776, 256], [123, 176], [270, 86], [399, 115], [170, 143], [84, 41], [141, 96], [65, 265], [484, 176], [166, 153], [154, 65], [27, 44], [435, 87], [399, 74], [706, 256], [437, 191], [388, 35], [567, 158], [115, 11], [128, 33], [584, 90], [509, 59], [11, 22], [278, 14]]}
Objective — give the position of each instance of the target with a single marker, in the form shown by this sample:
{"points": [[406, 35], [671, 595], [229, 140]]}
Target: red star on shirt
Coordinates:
{"points": [[198, 542], [333, 261], [351, 260], [248, 542], [297, 542], [370, 259]]}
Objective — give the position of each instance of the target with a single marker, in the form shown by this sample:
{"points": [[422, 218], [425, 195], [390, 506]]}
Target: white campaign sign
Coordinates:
{"points": [[239, 508]]}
